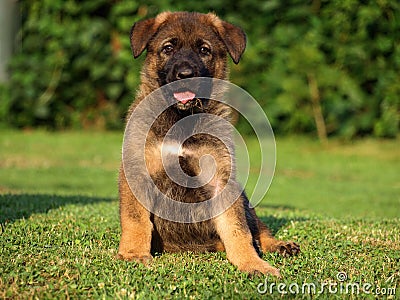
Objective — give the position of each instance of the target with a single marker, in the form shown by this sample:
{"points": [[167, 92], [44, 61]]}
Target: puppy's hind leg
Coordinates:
{"points": [[268, 243]]}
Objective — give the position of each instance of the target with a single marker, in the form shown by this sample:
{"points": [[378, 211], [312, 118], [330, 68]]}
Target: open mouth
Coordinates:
{"points": [[188, 95], [184, 97]]}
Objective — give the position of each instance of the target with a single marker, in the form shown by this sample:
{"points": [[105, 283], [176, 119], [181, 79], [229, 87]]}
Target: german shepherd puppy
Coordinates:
{"points": [[183, 45]]}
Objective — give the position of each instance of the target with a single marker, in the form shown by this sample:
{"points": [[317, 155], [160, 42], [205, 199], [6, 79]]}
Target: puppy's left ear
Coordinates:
{"points": [[234, 39]]}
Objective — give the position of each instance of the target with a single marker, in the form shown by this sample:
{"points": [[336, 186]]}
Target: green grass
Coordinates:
{"points": [[60, 229]]}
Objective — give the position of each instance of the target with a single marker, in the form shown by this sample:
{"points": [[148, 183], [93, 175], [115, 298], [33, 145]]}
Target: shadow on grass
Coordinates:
{"points": [[274, 223], [278, 206], [18, 206], [14, 207]]}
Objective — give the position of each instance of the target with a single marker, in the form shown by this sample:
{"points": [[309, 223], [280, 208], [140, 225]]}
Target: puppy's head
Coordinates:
{"points": [[184, 45]]}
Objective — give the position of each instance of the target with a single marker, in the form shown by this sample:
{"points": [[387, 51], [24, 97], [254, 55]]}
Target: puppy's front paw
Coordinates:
{"points": [[259, 266], [143, 259]]}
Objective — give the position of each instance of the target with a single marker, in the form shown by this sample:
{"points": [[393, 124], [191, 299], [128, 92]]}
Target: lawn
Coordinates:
{"points": [[60, 229]]}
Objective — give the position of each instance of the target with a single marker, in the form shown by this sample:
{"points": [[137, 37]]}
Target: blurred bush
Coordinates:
{"points": [[319, 67]]}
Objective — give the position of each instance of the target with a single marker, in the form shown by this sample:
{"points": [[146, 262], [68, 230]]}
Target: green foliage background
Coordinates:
{"points": [[326, 67]]}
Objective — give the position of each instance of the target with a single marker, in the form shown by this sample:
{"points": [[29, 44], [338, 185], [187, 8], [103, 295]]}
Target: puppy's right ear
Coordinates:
{"points": [[141, 33]]}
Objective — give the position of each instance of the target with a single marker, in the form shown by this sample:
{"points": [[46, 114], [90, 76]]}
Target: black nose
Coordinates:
{"points": [[184, 72]]}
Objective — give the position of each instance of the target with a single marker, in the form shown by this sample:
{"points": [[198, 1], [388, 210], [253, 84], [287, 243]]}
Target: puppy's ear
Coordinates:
{"points": [[234, 39], [141, 33]]}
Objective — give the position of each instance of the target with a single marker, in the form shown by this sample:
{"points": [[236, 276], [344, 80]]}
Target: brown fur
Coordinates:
{"points": [[238, 230]]}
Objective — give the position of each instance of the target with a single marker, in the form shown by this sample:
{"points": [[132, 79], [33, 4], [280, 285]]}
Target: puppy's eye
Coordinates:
{"points": [[167, 49], [205, 50]]}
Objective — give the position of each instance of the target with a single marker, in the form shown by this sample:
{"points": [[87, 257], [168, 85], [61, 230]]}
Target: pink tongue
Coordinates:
{"points": [[184, 97]]}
